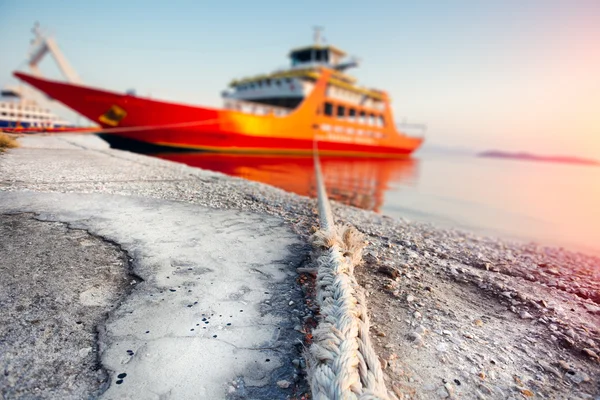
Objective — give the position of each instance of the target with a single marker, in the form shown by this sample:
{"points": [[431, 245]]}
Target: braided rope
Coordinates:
{"points": [[342, 363]]}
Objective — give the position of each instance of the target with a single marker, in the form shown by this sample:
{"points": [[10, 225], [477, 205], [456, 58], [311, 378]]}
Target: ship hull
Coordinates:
{"points": [[188, 127], [224, 142]]}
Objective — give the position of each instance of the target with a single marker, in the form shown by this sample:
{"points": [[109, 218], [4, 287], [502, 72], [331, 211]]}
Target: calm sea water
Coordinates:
{"points": [[553, 204], [549, 203]]}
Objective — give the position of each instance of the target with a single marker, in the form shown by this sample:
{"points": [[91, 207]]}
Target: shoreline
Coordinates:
{"points": [[455, 314]]}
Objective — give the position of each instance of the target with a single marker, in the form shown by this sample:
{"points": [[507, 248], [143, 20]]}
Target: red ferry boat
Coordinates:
{"points": [[284, 112]]}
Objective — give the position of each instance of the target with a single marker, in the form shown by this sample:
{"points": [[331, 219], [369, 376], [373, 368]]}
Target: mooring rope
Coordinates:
{"points": [[342, 363], [159, 127]]}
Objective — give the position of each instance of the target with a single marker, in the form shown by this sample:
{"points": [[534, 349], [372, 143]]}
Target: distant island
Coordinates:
{"points": [[534, 157]]}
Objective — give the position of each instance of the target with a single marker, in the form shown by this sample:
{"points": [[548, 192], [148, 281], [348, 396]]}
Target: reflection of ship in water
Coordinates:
{"points": [[359, 182]]}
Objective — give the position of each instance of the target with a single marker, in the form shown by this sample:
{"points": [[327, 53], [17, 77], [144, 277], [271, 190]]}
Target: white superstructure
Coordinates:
{"points": [[287, 87], [17, 111], [18, 108]]}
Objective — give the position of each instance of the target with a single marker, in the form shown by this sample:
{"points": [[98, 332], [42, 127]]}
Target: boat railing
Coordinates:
{"points": [[250, 107]]}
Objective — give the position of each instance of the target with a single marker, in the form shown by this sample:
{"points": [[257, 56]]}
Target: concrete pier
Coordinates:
{"points": [[204, 305], [120, 274]]}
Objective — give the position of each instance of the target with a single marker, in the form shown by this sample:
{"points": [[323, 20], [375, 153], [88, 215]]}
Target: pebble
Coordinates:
{"points": [[442, 347], [85, 351], [525, 315], [417, 314], [449, 389], [389, 271], [579, 377], [564, 364], [410, 298], [592, 308], [548, 368], [447, 333], [421, 330], [571, 333], [291, 303], [442, 393], [383, 362], [415, 337], [283, 384], [591, 353], [526, 392], [390, 356]]}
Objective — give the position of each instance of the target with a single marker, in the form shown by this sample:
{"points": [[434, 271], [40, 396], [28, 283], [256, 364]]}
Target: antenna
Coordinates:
{"points": [[317, 34]]}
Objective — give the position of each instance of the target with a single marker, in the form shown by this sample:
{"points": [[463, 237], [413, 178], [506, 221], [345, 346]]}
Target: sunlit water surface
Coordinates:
{"points": [[554, 204]]}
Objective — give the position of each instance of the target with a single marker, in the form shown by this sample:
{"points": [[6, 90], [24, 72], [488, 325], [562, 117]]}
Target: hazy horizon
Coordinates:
{"points": [[503, 76]]}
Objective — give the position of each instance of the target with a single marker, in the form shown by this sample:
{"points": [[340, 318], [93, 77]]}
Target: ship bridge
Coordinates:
{"points": [[318, 55]]}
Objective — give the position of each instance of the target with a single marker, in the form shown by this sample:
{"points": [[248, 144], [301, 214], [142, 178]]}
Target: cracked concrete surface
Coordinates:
{"points": [[199, 319], [210, 316], [50, 304]]}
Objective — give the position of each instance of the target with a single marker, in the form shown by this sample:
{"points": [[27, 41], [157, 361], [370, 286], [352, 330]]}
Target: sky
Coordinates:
{"points": [[512, 75]]}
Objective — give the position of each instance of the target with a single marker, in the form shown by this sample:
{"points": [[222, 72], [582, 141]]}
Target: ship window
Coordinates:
{"points": [[372, 120], [288, 80], [328, 109], [362, 117], [381, 120], [268, 82], [352, 114], [278, 82], [341, 112], [322, 55], [4, 113], [302, 56]]}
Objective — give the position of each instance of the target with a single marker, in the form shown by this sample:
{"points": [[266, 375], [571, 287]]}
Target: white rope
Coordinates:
{"points": [[158, 127], [342, 363]]}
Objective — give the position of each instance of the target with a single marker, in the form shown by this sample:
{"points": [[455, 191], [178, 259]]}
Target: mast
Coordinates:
{"points": [[317, 34]]}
